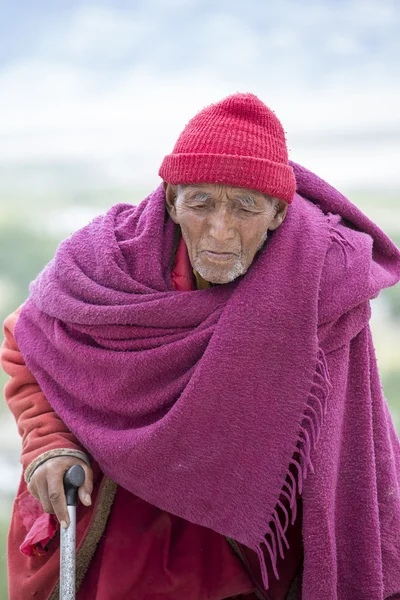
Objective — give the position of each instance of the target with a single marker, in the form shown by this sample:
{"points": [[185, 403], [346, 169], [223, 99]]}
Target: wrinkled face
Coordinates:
{"points": [[223, 227]]}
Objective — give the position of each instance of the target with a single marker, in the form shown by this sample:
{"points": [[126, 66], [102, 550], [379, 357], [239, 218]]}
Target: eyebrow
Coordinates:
{"points": [[247, 201], [199, 196]]}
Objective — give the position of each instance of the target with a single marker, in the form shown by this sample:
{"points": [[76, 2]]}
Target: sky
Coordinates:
{"points": [[110, 85]]}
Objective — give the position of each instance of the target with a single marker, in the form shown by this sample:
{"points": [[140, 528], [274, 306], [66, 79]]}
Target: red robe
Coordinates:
{"points": [[143, 552]]}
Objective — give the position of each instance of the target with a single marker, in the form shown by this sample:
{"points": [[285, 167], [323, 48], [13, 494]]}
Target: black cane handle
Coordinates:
{"points": [[73, 479]]}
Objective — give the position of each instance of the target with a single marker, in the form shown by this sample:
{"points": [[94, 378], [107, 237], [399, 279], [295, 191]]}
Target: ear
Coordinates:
{"points": [[170, 200], [280, 215]]}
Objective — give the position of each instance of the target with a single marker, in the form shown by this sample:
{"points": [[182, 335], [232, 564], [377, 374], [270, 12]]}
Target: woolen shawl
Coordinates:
{"points": [[211, 404]]}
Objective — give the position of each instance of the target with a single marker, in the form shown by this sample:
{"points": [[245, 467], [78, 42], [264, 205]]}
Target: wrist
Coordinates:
{"points": [[56, 452]]}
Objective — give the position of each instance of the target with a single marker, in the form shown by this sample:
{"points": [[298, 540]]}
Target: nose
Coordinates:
{"points": [[221, 226]]}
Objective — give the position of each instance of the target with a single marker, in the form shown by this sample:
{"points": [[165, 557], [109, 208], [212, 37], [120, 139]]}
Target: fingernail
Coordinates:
{"points": [[64, 524], [88, 499]]}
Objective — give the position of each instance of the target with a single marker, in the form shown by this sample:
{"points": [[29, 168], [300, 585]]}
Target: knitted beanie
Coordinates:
{"points": [[238, 142]]}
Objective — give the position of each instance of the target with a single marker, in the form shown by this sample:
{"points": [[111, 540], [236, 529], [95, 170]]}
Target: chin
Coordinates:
{"points": [[221, 276]]}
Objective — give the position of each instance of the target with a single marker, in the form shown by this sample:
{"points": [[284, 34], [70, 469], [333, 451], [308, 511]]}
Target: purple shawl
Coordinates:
{"points": [[212, 404]]}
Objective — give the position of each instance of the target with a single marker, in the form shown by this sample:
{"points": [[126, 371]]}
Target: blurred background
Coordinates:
{"points": [[94, 94]]}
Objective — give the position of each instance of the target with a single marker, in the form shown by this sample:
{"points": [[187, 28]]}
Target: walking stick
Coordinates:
{"points": [[73, 479]]}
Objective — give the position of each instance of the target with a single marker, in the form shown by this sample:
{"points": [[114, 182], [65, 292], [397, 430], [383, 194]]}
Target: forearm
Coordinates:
{"points": [[43, 433]]}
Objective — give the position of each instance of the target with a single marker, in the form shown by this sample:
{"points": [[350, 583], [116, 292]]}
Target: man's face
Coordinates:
{"points": [[223, 227]]}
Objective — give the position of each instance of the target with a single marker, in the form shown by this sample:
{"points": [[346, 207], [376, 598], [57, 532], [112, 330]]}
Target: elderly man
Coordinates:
{"points": [[206, 357]]}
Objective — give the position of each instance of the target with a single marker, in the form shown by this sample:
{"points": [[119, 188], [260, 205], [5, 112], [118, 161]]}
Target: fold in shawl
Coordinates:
{"points": [[211, 404]]}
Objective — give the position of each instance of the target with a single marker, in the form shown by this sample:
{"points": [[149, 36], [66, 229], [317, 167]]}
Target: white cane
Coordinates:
{"points": [[73, 479]]}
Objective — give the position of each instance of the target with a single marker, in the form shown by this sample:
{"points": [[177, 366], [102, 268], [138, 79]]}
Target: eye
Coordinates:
{"points": [[246, 212]]}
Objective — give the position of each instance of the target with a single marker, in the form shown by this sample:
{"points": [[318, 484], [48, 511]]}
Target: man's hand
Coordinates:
{"points": [[46, 485]]}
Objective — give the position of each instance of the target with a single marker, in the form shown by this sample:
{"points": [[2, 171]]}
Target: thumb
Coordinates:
{"points": [[84, 495]]}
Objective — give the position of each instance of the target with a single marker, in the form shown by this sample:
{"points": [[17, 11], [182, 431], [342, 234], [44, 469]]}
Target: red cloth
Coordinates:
{"points": [[149, 554], [182, 273], [40, 526], [238, 141]]}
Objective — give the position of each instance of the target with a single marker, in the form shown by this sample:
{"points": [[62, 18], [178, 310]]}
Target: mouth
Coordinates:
{"points": [[219, 256]]}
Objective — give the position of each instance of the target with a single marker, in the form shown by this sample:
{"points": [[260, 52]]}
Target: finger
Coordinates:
{"points": [[85, 491], [44, 497], [33, 490], [56, 497]]}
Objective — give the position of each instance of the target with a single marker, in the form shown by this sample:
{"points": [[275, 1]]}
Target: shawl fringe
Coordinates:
{"points": [[313, 415]]}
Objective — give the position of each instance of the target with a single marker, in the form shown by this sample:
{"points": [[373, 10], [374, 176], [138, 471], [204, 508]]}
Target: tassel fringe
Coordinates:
{"points": [[307, 439]]}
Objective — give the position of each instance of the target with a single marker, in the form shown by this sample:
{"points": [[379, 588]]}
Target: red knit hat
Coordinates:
{"points": [[239, 142]]}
